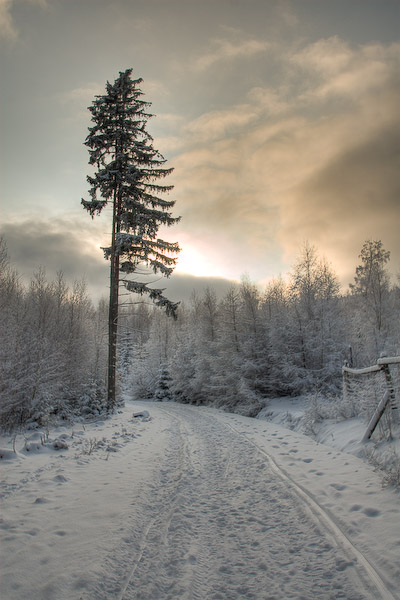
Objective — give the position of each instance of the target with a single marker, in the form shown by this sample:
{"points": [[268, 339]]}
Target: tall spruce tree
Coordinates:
{"points": [[128, 168]]}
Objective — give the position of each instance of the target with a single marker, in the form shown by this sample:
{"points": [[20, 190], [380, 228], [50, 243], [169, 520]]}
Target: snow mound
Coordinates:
{"points": [[38, 443], [8, 454], [143, 413]]}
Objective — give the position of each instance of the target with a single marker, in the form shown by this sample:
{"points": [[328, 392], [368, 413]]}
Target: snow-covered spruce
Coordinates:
{"points": [[128, 172]]}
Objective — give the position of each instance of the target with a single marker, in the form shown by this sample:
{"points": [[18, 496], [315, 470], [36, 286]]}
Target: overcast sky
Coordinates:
{"points": [[280, 119]]}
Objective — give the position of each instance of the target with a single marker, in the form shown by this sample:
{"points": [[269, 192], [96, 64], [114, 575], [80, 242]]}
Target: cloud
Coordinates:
{"points": [[72, 247], [67, 245], [82, 95], [338, 71], [154, 88], [224, 50], [311, 154], [221, 123], [180, 287], [353, 198], [327, 57], [8, 29], [314, 158]]}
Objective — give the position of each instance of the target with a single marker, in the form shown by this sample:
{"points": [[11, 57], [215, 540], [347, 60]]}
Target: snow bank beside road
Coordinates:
{"points": [[344, 435], [345, 486]]}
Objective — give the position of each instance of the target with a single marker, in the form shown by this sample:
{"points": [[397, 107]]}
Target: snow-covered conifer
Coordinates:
{"points": [[128, 168]]}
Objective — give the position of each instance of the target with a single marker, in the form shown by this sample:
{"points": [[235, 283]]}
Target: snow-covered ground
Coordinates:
{"points": [[192, 503], [345, 434]]}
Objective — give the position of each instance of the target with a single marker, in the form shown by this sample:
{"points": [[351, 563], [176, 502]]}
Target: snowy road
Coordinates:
{"points": [[197, 505]]}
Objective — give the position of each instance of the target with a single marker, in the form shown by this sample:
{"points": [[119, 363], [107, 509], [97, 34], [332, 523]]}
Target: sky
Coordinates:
{"points": [[279, 117]]}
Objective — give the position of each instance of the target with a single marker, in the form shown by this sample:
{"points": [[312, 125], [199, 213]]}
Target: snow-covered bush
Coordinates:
{"points": [[51, 363]]}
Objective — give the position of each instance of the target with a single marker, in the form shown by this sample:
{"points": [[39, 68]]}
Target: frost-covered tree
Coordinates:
{"points": [[372, 280], [277, 313], [314, 291], [51, 365], [128, 169]]}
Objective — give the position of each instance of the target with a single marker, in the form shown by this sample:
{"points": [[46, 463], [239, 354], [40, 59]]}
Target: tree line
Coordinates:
{"points": [[233, 352], [290, 339]]}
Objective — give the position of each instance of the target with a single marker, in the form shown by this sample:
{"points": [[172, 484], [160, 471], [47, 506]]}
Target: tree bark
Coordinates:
{"points": [[113, 309]]}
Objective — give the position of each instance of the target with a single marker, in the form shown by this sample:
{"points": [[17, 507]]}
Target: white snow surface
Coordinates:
{"points": [[182, 503]]}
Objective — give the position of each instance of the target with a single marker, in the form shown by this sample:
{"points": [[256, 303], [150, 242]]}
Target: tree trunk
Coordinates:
{"points": [[113, 309]]}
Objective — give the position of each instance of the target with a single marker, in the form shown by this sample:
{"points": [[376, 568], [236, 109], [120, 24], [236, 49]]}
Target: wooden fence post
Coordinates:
{"points": [[384, 362], [380, 409]]}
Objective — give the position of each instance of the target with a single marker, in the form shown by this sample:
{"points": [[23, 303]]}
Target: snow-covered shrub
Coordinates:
{"points": [[51, 364], [60, 444]]}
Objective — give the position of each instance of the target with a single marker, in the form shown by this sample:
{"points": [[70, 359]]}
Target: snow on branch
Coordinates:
{"points": [[156, 295]]}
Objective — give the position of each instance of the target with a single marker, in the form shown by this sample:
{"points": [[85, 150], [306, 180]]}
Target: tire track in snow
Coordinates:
{"points": [[138, 559], [218, 522], [200, 565], [329, 524], [161, 523], [224, 522]]}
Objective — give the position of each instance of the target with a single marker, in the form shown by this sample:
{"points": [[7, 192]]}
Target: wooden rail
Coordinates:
{"points": [[382, 364], [384, 360]]}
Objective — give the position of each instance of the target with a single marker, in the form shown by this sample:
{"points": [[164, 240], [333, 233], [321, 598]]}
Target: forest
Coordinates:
{"points": [[234, 352]]}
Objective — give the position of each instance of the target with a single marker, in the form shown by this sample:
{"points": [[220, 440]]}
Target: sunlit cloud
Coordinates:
{"points": [[327, 57], [72, 246], [8, 30], [222, 123], [224, 49], [194, 259], [82, 95], [273, 171], [344, 73]]}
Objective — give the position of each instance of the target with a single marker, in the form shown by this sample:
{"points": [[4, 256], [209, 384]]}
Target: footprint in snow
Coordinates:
{"points": [[371, 512], [60, 479], [41, 501], [338, 486], [342, 565]]}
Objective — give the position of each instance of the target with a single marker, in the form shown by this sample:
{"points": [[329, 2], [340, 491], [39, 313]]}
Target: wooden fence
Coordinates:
{"points": [[389, 398]]}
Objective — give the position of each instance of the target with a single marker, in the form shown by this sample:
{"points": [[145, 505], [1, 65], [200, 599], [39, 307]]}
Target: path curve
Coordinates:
{"points": [[223, 522]]}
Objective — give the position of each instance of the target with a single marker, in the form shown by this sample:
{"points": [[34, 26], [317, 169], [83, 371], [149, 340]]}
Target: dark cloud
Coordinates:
{"points": [[182, 286], [39, 244]]}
